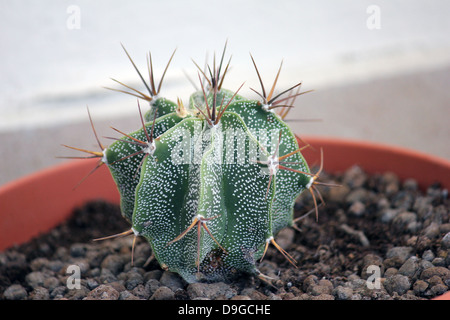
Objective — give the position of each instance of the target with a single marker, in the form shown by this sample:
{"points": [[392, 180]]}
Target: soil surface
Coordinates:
{"points": [[376, 238]]}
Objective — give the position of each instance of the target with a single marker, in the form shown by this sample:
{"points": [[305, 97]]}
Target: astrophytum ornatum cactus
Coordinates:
{"points": [[211, 183]]}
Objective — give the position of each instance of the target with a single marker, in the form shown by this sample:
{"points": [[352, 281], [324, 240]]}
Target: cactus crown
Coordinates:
{"points": [[209, 185]]}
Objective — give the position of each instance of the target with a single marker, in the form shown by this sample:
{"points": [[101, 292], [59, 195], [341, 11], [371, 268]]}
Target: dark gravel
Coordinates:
{"points": [[371, 225]]}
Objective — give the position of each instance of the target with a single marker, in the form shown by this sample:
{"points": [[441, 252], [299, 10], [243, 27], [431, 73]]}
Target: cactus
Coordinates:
{"points": [[209, 185]]}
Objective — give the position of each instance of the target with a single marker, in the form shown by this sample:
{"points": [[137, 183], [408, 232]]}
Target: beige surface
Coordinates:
{"points": [[412, 111]]}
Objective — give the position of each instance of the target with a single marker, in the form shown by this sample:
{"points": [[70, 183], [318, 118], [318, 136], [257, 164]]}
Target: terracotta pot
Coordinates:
{"points": [[37, 203]]}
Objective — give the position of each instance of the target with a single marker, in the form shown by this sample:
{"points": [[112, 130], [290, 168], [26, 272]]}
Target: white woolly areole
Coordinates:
{"points": [[104, 158], [136, 233], [151, 147], [273, 164], [266, 107], [311, 181]]}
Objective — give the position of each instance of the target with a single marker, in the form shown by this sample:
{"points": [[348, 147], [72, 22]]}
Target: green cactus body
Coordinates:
{"points": [[208, 191]]}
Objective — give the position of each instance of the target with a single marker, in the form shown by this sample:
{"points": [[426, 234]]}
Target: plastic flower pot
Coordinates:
{"points": [[37, 203]]}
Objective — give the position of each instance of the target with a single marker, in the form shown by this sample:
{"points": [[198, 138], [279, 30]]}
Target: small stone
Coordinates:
{"points": [[103, 292], [323, 296], [338, 194], [210, 290], [438, 262], [432, 231], [83, 264], [420, 287], [151, 286], [410, 184], [445, 242], [39, 264], [390, 272], [55, 266], [406, 222], [343, 293], [309, 280], [106, 276], [388, 214], [59, 291], [317, 290], [91, 283], [153, 274], [397, 256], [397, 283], [171, 280], [133, 280], [391, 182], [442, 272], [15, 292], [78, 250], [240, 297], [355, 177], [410, 268], [163, 293], [445, 228], [127, 295], [434, 280], [77, 294], [35, 279], [285, 237], [40, 293], [51, 283], [438, 289], [403, 200], [428, 255], [359, 194], [114, 263], [400, 253], [357, 208], [141, 292], [254, 294], [424, 264], [368, 261], [117, 285]]}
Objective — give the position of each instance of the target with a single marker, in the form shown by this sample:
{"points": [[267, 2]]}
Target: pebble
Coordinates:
{"points": [[420, 287], [172, 280], [15, 292], [357, 208], [355, 177], [343, 293], [397, 283], [445, 242], [406, 222], [114, 263], [35, 279], [411, 268], [432, 231], [428, 255], [163, 293], [338, 194], [357, 195], [442, 272], [210, 290], [103, 292], [400, 254], [40, 293]]}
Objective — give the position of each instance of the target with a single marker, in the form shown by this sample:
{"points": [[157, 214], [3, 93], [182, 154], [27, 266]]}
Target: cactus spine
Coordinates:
{"points": [[209, 185]]}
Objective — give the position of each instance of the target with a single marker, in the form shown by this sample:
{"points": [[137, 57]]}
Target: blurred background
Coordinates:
{"points": [[380, 70]]}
